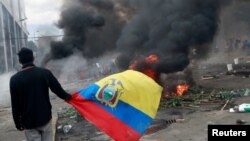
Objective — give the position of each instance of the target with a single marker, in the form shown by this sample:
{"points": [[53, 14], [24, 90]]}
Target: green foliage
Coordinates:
{"points": [[174, 101], [71, 112], [170, 102], [199, 90], [197, 95], [229, 94]]}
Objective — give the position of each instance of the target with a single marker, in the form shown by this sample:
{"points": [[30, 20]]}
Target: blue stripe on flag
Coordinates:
{"points": [[129, 115]]}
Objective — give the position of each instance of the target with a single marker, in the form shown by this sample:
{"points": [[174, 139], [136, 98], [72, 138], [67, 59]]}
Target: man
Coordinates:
{"points": [[30, 101]]}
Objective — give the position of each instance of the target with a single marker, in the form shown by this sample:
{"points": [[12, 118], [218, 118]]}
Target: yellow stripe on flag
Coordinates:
{"points": [[140, 91]]}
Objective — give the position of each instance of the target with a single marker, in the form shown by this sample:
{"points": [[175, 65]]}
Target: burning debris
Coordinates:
{"points": [[170, 32], [180, 89], [146, 66]]}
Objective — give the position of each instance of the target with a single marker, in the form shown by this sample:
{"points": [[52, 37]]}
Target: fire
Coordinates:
{"points": [[133, 66], [147, 64], [151, 59], [180, 89]]}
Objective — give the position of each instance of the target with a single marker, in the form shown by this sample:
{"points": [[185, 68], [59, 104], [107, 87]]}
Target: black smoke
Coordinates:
{"points": [[91, 27], [175, 30]]}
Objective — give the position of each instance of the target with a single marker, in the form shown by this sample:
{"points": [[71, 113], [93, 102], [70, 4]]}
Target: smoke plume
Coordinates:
{"points": [[175, 30], [90, 27]]}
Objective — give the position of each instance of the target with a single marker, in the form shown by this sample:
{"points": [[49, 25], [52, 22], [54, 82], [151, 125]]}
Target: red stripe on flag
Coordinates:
{"points": [[108, 123]]}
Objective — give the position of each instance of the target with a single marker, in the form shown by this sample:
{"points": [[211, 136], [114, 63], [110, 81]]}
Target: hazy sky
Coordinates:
{"points": [[42, 16]]}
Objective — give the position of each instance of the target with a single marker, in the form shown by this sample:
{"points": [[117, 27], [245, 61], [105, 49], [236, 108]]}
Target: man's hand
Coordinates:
{"points": [[69, 97]]}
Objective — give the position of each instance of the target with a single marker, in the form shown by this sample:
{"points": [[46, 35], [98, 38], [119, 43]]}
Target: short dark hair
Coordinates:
{"points": [[25, 55]]}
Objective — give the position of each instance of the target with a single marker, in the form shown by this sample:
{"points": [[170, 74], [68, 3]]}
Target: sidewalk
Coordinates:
{"points": [[8, 131]]}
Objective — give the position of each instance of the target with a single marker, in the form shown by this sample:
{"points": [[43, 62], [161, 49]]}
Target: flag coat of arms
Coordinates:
{"points": [[122, 105]]}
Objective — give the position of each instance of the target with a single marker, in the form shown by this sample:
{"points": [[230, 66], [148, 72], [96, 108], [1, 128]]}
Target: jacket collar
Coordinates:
{"points": [[27, 66]]}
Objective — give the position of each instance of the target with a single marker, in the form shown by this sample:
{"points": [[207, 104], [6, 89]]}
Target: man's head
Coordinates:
{"points": [[25, 56]]}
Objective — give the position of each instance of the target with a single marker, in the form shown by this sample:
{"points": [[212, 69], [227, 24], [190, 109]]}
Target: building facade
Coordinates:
{"points": [[13, 33]]}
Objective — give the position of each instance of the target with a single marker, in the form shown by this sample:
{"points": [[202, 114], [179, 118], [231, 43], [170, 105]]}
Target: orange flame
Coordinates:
{"points": [[133, 65], [151, 59], [180, 89], [148, 61]]}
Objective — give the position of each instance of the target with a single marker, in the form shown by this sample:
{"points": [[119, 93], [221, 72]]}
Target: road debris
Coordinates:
{"points": [[241, 122], [245, 107], [66, 128]]}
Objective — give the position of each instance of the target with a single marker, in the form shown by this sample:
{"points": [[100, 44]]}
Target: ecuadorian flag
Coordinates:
{"points": [[122, 105]]}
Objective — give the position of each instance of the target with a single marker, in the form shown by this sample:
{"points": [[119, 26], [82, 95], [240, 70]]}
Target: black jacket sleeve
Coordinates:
{"points": [[16, 105], [56, 87]]}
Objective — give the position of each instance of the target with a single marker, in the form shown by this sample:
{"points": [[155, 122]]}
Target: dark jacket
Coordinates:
{"points": [[30, 101]]}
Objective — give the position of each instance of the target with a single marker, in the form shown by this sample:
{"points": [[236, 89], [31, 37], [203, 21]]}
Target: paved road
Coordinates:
{"points": [[193, 129], [8, 132]]}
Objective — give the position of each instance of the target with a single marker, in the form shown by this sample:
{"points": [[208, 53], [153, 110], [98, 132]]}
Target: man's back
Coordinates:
{"points": [[29, 90], [30, 96]]}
